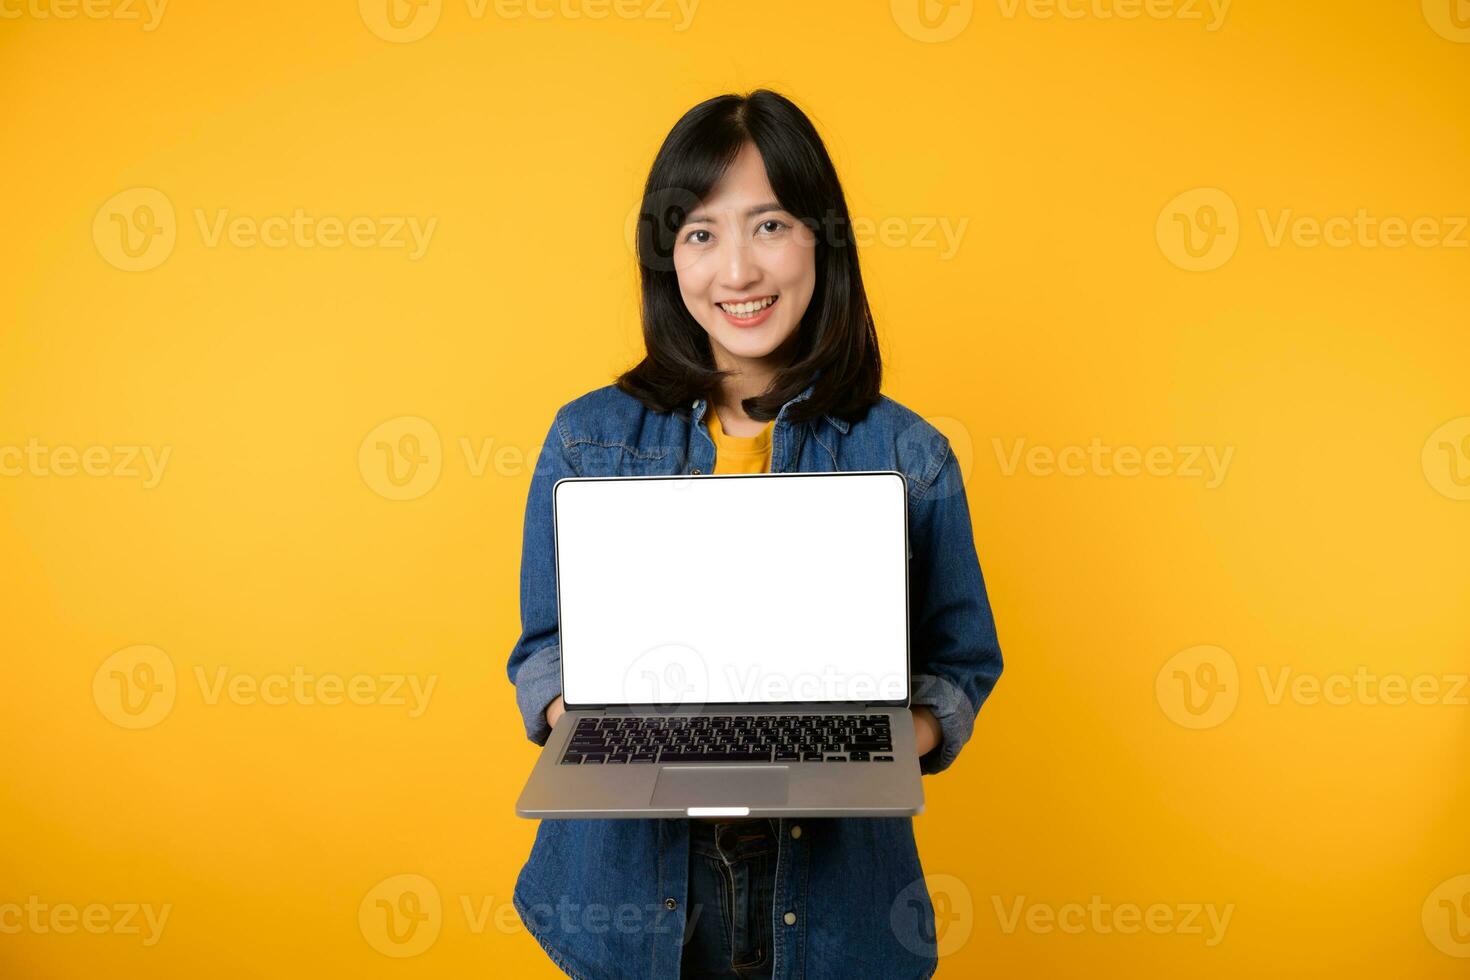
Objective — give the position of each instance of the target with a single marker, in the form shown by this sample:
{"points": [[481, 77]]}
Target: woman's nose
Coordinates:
{"points": [[737, 268]]}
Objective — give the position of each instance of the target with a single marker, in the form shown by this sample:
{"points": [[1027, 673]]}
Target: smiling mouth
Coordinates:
{"points": [[750, 310]]}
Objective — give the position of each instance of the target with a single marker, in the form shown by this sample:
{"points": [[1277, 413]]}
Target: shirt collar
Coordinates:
{"points": [[841, 425]]}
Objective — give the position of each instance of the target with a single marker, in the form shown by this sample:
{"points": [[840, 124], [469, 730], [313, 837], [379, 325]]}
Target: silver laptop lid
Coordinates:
{"points": [[733, 589]]}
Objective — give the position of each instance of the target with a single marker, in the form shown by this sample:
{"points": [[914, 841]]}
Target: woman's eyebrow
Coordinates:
{"points": [[699, 218]]}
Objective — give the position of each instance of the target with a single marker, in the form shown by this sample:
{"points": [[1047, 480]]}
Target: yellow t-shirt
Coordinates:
{"points": [[740, 454]]}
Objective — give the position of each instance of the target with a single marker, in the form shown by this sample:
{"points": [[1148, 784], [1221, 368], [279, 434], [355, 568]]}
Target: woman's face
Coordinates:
{"points": [[740, 247]]}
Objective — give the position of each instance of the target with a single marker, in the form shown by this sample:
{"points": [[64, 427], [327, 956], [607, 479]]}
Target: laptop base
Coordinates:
{"points": [[826, 787]]}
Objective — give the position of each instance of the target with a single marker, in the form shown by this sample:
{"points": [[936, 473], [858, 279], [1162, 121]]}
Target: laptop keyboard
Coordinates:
{"points": [[729, 738]]}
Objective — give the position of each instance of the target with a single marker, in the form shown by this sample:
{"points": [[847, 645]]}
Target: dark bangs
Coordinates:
{"points": [[836, 344]]}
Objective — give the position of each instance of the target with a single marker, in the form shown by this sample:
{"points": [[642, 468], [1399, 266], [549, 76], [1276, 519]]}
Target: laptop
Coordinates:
{"points": [[732, 645]]}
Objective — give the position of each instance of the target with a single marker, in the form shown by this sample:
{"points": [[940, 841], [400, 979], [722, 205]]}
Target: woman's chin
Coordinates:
{"points": [[752, 343]]}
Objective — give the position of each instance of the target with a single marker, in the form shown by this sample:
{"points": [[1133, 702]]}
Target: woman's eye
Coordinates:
{"points": [[778, 225], [697, 231]]}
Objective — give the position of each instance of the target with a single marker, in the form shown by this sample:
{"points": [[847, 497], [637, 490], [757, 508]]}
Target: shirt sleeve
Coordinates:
{"points": [[955, 652], [535, 660]]}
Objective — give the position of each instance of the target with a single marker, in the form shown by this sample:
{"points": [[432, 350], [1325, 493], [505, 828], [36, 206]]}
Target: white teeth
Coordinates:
{"points": [[747, 309]]}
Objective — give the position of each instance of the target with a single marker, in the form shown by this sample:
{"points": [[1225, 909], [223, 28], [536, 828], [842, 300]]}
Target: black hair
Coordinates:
{"points": [[836, 343]]}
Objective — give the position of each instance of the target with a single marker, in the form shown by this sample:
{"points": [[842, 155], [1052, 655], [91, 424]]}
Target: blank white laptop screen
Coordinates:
{"points": [[682, 591]]}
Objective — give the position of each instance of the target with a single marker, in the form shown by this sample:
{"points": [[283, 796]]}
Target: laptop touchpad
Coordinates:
{"points": [[735, 786]]}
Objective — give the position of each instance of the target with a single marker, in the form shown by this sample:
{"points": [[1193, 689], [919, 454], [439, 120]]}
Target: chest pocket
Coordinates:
{"points": [[618, 459]]}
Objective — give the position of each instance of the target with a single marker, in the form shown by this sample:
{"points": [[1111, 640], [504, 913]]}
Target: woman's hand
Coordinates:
{"points": [[555, 710], [927, 734]]}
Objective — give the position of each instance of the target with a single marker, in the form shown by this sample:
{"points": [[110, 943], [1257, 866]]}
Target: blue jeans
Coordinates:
{"points": [[731, 878]]}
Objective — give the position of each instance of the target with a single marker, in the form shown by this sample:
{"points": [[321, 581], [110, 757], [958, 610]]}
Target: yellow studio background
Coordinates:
{"points": [[1184, 283]]}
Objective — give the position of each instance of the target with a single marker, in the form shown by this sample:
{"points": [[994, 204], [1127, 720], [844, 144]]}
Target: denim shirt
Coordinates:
{"points": [[606, 898]]}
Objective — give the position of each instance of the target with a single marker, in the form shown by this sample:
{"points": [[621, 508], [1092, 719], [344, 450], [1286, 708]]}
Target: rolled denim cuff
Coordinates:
{"points": [[954, 713], [538, 682]]}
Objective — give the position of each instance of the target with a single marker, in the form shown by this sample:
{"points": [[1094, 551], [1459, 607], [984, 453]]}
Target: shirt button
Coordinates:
{"points": [[789, 918], [670, 904], [796, 831], [696, 471]]}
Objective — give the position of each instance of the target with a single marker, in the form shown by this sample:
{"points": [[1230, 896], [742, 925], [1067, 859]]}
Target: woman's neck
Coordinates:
{"points": [[733, 419], [746, 380]]}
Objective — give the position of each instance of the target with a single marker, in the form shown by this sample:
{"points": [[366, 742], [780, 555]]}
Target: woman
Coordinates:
{"points": [[761, 357]]}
